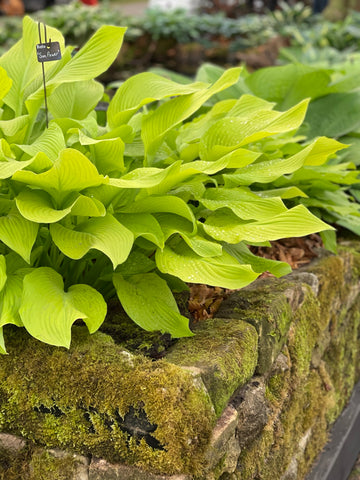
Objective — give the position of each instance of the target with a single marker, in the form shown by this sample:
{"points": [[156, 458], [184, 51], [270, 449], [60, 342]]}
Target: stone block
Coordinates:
{"points": [[102, 470], [224, 351]]}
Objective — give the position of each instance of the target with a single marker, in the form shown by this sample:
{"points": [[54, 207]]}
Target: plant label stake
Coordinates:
{"points": [[46, 52]]}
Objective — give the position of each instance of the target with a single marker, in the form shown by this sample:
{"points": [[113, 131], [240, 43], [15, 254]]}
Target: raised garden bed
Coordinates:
{"points": [[251, 395]]}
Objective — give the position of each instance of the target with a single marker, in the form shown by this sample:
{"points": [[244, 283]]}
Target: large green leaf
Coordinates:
{"points": [[15, 129], [21, 65], [37, 206], [72, 171], [149, 302], [107, 153], [287, 85], [94, 58], [233, 132], [75, 99], [155, 204], [334, 115], [157, 124], [2, 343], [263, 172], [5, 83], [48, 312], [105, 234], [286, 192], [51, 142], [143, 225], [222, 271], [10, 298], [210, 73], [145, 177], [9, 167], [18, 233], [253, 209], [140, 90], [296, 222], [258, 264]]}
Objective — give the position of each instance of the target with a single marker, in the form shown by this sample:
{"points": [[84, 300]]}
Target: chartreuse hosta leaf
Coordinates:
{"points": [[5, 83], [145, 177], [223, 271], [48, 312], [105, 234], [2, 343], [15, 129], [286, 192], [10, 166], [143, 225], [107, 153], [191, 133], [247, 209], [18, 233], [156, 204], [263, 172], [93, 58], [297, 221], [21, 64], [75, 99], [50, 143], [241, 252], [37, 206], [156, 124], [71, 172], [10, 293], [233, 132], [142, 89], [148, 301]]}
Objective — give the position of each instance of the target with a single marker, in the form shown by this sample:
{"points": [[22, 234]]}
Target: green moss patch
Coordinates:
{"points": [[225, 352], [265, 306], [97, 398]]}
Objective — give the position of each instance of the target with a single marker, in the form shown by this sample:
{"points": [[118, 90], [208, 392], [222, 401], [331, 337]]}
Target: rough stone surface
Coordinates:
{"points": [[102, 470], [253, 410], [11, 443], [226, 360], [223, 432], [271, 318]]}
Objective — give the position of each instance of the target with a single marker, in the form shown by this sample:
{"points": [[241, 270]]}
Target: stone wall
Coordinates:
{"points": [[252, 395]]}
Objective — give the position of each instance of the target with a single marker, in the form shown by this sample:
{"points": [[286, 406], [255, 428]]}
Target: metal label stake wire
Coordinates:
{"points": [[43, 73]]}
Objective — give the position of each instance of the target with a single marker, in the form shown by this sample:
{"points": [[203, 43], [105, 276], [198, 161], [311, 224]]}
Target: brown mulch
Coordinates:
{"points": [[205, 301]]}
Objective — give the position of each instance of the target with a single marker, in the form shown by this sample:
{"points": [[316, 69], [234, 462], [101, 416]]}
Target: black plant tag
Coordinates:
{"points": [[47, 52]]}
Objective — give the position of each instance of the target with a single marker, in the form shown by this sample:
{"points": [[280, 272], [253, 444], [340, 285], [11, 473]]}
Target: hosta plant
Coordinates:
{"points": [[330, 185], [164, 193]]}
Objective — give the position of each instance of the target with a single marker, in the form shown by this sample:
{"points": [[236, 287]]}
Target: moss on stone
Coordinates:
{"points": [[78, 400], [224, 351], [342, 356], [15, 465], [332, 287], [83, 399], [303, 335], [46, 466], [265, 306]]}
